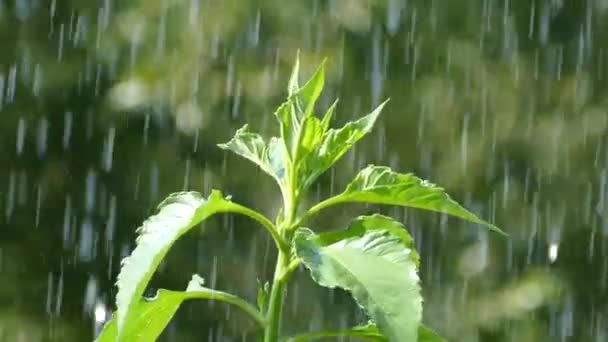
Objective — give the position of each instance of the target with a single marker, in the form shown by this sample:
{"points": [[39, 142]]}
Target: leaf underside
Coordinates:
{"points": [[378, 266], [269, 157]]}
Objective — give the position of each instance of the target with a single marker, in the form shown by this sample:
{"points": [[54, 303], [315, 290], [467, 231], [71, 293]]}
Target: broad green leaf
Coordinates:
{"points": [[269, 158], [152, 315], [336, 142], [379, 184], [374, 223], [177, 215], [376, 264]]}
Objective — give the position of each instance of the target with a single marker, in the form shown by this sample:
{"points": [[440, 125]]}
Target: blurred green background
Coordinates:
{"points": [[108, 106]]}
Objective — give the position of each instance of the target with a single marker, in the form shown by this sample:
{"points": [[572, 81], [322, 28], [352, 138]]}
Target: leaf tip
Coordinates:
{"points": [[497, 230]]}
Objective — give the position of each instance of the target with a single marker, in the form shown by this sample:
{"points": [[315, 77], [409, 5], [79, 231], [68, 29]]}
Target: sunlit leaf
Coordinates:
{"points": [[329, 114], [294, 85], [379, 184], [312, 135], [336, 142], [151, 315], [307, 96], [374, 223], [177, 215], [269, 157], [290, 126], [295, 115], [426, 334], [376, 264], [370, 331]]}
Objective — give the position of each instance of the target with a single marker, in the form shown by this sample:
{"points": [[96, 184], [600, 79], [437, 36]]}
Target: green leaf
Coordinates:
{"points": [[269, 158], [376, 263], [304, 98], [177, 215], [311, 137], [151, 315], [379, 184], [336, 142], [296, 117], [307, 96], [290, 126], [368, 331], [329, 114], [374, 223], [294, 85], [425, 334]]}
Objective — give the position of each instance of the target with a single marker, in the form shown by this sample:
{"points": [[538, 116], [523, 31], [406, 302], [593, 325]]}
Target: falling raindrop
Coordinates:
{"points": [[553, 250], [21, 127], [90, 191], [86, 242], [60, 43], [38, 204], [108, 149], [90, 295], [42, 137], [111, 221], [376, 69], [49, 293]]}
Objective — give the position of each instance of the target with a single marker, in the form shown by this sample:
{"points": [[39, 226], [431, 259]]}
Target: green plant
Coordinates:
{"points": [[374, 258]]}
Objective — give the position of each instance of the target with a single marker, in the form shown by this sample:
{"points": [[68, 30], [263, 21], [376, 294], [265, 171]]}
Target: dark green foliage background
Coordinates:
{"points": [[501, 102]]}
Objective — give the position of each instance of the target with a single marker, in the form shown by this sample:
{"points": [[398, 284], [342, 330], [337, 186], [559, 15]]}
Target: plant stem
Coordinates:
{"points": [[227, 298], [316, 208], [284, 266], [273, 319]]}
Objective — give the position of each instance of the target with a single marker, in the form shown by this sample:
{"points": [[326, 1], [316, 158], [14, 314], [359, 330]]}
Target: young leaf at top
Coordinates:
{"points": [[177, 215], [307, 96], [152, 315], [329, 114], [295, 116], [304, 98], [376, 263], [294, 83], [335, 143], [269, 158], [379, 184]]}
